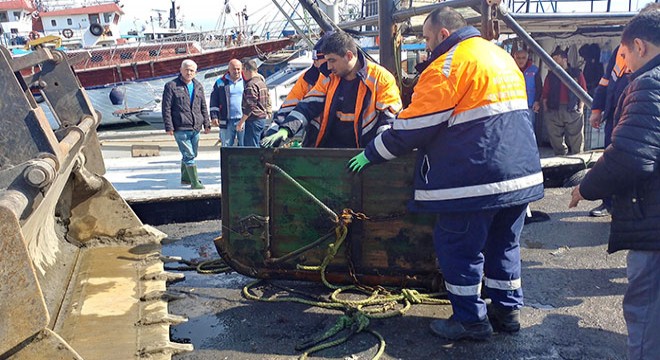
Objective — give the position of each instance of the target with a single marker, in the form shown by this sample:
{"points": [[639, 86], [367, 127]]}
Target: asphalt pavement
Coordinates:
{"points": [[573, 292]]}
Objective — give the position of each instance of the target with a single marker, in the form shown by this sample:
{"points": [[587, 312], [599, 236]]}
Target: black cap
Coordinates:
{"points": [[560, 52]]}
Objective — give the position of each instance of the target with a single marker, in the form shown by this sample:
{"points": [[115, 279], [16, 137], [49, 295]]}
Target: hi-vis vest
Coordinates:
{"points": [[469, 121], [377, 103]]}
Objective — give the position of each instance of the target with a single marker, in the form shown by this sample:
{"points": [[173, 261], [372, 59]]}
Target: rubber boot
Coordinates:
{"points": [[194, 180], [185, 179]]}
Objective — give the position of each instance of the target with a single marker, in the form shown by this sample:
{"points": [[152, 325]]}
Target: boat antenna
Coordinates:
{"points": [[173, 15]]}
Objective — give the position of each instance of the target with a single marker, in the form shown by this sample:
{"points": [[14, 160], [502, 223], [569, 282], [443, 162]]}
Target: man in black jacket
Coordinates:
{"points": [[184, 114], [629, 172]]}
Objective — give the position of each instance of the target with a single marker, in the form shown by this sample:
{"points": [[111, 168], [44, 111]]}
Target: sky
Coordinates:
{"points": [[204, 14], [201, 13]]}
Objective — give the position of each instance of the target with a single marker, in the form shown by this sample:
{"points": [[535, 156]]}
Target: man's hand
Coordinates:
{"points": [[270, 141], [170, 132], [575, 197], [358, 162], [596, 119], [240, 126], [536, 107], [207, 130]]}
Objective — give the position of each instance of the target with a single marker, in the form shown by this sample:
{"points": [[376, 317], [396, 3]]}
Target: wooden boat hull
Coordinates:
{"points": [[266, 217]]}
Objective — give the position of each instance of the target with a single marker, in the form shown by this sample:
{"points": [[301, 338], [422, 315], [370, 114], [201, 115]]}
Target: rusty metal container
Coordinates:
{"points": [[280, 209]]}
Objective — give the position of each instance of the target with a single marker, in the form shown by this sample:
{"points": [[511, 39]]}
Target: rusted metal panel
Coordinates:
{"points": [[266, 217]]}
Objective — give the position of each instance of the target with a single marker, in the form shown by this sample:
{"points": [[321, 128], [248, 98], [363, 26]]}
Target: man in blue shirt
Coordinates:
{"points": [[225, 106]]}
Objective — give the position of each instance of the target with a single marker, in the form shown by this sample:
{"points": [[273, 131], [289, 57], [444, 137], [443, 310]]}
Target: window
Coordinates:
{"points": [[107, 17], [53, 22], [97, 58], [17, 15], [69, 22], [3, 16], [154, 53], [126, 55], [94, 19]]}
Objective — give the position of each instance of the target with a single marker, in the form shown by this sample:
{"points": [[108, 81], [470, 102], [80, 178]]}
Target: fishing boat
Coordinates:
{"points": [[124, 77]]}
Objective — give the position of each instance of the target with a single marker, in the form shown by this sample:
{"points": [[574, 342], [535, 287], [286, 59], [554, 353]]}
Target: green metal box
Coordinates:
{"points": [[277, 214]]}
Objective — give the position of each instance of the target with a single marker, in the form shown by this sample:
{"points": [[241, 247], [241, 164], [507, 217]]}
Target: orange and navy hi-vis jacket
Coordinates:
{"points": [[470, 122], [303, 85], [377, 103]]}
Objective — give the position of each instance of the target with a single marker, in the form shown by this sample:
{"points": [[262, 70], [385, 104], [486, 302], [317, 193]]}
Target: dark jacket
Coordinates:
{"points": [[178, 114], [629, 169], [611, 86], [256, 99], [469, 122], [555, 83], [219, 102]]}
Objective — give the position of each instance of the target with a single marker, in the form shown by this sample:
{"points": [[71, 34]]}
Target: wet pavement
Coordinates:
{"points": [[573, 293]]}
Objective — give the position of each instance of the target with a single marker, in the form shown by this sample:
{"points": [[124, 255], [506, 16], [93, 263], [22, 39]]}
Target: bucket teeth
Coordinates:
{"points": [[161, 295], [164, 276], [170, 259], [166, 348], [169, 319]]}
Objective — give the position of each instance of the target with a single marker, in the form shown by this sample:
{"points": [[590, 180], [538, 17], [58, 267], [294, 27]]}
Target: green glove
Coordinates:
{"points": [[358, 162], [270, 141]]}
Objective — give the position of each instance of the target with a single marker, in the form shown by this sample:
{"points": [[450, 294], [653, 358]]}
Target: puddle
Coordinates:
{"points": [[199, 330], [185, 252]]}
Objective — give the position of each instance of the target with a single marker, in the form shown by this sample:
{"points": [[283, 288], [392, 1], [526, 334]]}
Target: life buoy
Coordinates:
{"points": [[96, 29], [34, 35], [67, 33]]}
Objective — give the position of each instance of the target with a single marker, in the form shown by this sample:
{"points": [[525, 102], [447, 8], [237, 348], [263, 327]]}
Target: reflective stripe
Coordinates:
{"points": [[345, 117], [273, 126], [480, 190], [381, 129], [381, 149], [223, 122], [488, 110], [325, 81], [503, 284], [614, 76], [314, 93], [285, 111], [214, 108], [368, 126], [603, 82], [298, 116], [315, 124], [446, 68], [370, 80], [470, 290], [314, 99], [422, 121], [291, 102]]}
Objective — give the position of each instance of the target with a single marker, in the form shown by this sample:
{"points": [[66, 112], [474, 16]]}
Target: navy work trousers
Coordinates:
{"points": [[486, 243]]}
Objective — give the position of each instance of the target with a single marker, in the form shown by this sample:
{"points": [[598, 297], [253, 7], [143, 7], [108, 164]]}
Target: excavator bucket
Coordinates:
{"points": [[80, 276], [284, 210]]}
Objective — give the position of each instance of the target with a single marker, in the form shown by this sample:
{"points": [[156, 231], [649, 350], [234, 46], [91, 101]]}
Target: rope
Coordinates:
{"points": [[378, 303]]}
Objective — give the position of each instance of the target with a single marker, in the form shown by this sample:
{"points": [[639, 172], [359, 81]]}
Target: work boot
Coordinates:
{"points": [[185, 179], [599, 211], [503, 320], [194, 179], [455, 330]]}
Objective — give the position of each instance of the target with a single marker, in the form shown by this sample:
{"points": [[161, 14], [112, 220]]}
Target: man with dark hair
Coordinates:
{"points": [[303, 85], [355, 102], [564, 117], [184, 115], [256, 104], [628, 173], [477, 168], [606, 97]]}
